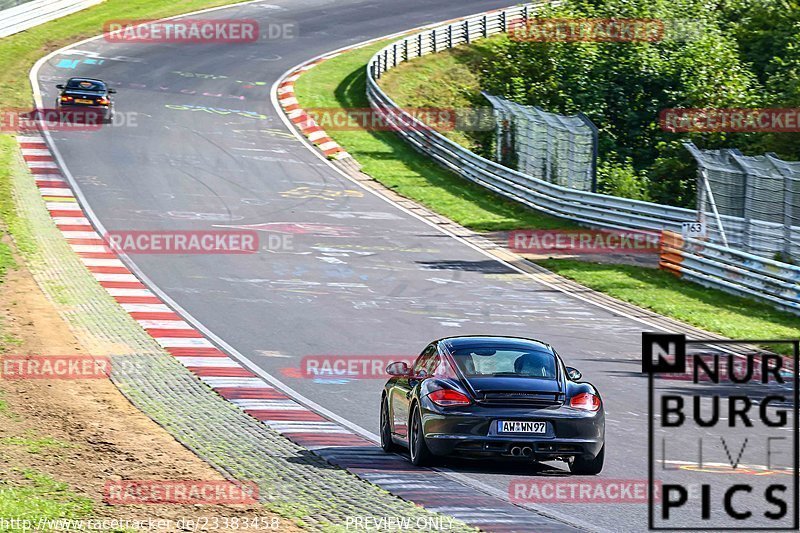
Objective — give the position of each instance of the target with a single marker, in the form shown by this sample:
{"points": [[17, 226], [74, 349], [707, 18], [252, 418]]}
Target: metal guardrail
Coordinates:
{"points": [[592, 209], [732, 270], [33, 13]]}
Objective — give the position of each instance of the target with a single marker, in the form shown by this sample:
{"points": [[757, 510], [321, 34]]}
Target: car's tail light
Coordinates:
{"points": [[449, 398], [585, 401], [102, 101], [67, 98]]}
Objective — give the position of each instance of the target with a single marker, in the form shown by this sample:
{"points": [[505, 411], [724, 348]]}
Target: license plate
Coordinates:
{"points": [[517, 426], [83, 101]]}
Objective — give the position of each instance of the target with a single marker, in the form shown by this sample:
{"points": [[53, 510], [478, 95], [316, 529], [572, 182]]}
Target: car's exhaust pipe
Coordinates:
{"points": [[516, 451], [527, 451]]}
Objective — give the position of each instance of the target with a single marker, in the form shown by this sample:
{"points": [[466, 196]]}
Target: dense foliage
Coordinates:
{"points": [[714, 54]]}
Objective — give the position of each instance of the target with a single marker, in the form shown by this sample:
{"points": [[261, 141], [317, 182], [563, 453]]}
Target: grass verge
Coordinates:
{"points": [[28, 494], [33, 444], [447, 80], [9, 163], [40, 497], [340, 83]]}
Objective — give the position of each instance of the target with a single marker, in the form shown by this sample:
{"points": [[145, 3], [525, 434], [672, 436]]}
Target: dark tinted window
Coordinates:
{"points": [[426, 361], [86, 85], [512, 361]]}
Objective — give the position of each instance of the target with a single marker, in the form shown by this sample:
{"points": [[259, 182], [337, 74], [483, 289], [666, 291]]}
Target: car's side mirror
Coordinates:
{"points": [[60, 86], [573, 374], [112, 91], [398, 369]]}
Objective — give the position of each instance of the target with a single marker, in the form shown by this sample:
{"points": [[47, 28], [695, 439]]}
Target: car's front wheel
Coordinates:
{"points": [[588, 467], [386, 429], [420, 454]]}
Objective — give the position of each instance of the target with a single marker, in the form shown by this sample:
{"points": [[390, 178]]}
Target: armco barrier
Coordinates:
{"points": [[592, 209], [30, 14], [731, 270]]}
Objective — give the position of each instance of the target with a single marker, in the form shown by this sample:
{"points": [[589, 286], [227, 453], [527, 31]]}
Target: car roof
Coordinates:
{"points": [[85, 79], [494, 341]]}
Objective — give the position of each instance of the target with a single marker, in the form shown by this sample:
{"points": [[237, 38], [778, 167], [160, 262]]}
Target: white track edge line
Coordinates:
{"points": [[33, 77], [92, 216], [311, 147], [358, 430]]}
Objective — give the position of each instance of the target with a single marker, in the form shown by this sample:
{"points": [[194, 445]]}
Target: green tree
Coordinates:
{"points": [[703, 61]]}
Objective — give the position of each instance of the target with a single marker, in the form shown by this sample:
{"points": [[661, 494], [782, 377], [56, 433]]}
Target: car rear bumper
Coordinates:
{"points": [[529, 448], [474, 431], [100, 110]]}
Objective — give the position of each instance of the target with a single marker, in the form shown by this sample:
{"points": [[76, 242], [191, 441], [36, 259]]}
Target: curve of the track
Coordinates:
{"points": [[208, 148]]}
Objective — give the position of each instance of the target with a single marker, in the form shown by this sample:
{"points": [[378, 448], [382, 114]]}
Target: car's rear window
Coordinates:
{"points": [[86, 85], [506, 362]]}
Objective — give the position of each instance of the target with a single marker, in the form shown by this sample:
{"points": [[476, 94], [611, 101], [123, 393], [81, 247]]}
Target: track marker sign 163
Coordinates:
{"points": [[722, 433]]}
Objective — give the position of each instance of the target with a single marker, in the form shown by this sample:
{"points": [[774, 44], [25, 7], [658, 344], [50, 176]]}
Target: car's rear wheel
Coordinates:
{"points": [[588, 467], [386, 429], [420, 454]]}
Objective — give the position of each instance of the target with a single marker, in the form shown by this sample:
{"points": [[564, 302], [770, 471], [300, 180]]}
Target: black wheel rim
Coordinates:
{"points": [[384, 425], [414, 438]]}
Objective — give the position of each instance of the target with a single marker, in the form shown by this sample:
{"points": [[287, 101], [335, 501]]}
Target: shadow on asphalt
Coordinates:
{"points": [[507, 468], [374, 459], [485, 267], [309, 458]]}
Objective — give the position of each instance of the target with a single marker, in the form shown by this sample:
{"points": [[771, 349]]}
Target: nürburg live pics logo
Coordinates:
{"points": [[722, 433]]}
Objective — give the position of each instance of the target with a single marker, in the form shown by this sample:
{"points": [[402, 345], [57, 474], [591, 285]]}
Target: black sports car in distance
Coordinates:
{"points": [[498, 397], [90, 96]]}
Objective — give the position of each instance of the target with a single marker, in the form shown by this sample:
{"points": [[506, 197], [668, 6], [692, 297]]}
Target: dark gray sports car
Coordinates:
{"points": [[493, 397], [88, 98]]}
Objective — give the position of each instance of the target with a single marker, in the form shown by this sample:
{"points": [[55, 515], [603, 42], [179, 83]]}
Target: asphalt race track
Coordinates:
{"points": [[208, 151]]}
